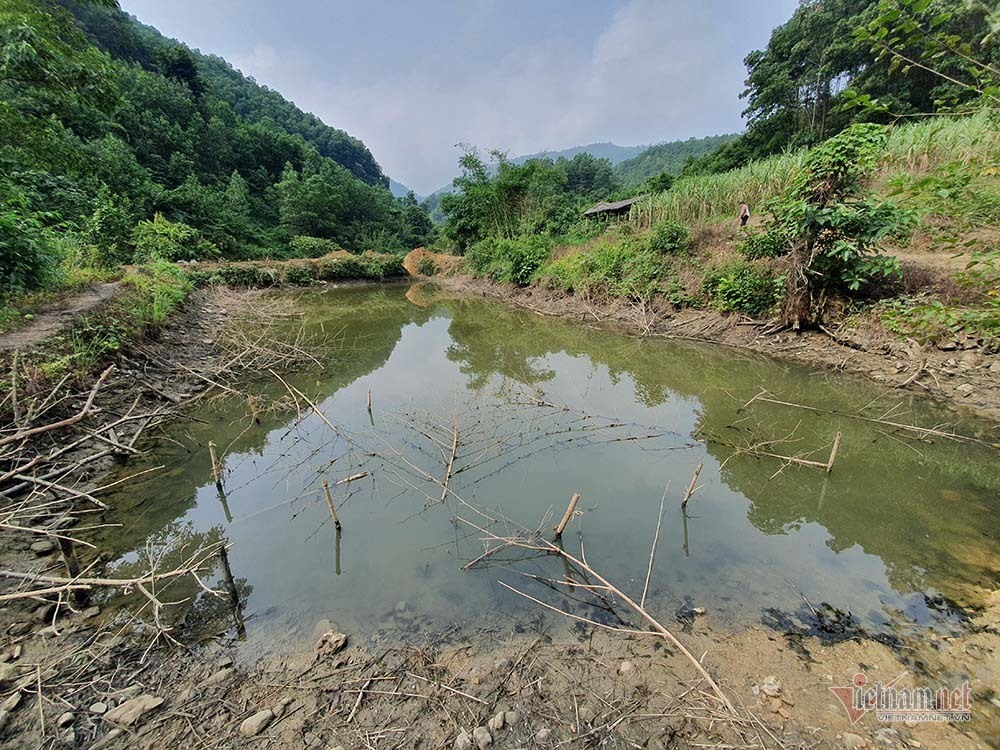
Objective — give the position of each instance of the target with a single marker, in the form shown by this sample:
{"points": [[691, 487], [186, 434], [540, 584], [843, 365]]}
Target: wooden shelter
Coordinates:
{"points": [[615, 210]]}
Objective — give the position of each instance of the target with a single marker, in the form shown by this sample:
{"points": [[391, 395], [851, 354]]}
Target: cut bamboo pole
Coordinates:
{"points": [[691, 487], [833, 453], [570, 509], [369, 400], [329, 503], [216, 473]]}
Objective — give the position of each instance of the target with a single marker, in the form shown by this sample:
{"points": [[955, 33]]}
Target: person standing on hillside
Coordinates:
{"points": [[744, 213]]}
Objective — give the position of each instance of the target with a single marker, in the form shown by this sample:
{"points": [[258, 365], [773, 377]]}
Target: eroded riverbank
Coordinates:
{"points": [[615, 421]]}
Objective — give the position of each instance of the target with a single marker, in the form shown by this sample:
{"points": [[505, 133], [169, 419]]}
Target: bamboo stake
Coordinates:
{"points": [[833, 453], [691, 487], [451, 460], [329, 503], [570, 509], [652, 551], [216, 473], [369, 400]]}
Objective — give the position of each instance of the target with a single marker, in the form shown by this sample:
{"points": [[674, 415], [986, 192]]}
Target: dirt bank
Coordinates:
{"points": [[968, 378], [53, 318]]}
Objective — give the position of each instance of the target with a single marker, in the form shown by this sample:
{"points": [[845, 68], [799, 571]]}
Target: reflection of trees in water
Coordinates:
{"points": [[876, 498]]}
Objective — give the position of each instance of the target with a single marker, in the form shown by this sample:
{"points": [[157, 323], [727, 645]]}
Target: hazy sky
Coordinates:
{"points": [[412, 79]]}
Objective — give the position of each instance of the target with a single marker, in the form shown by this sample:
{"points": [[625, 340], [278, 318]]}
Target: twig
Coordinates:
{"points": [[652, 551], [691, 487], [570, 509]]}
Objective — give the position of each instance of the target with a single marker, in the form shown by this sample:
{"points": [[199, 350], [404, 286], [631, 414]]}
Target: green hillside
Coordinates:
{"points": [[667, 157]]}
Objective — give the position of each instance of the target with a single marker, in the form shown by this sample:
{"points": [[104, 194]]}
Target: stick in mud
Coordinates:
{"points": [[691, 487], [570, 509], [329, 503], [72, 567]]}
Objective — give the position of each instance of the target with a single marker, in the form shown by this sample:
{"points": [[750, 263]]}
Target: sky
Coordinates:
{"points": [[414, 79]]}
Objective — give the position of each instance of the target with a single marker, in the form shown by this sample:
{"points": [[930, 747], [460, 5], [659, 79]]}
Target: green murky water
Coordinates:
{"points": [[897, 535]]}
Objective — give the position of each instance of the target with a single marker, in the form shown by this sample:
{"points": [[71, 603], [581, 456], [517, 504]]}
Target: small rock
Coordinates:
{"points": [[542, 736], [100, 708], [7, 672], [511, 718], [43, 547], [311, 739], [220, 676], [463, 741], [771, 686], [482, 737], [65, 719], [19, 628], [257, 723], [129, 712], [626, 668], [90, 612], [886, 736], [947, 346], [698, 611], [495, 723], [330, 643], [965, 389], [44, 613], [853, 741], [12, 702]]}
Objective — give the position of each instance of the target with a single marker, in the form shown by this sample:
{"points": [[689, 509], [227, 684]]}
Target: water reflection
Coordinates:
{"points": [[897, 528]]}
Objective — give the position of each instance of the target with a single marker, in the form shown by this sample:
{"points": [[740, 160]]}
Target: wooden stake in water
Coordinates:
{"points": [[369, 400], [833, 453], [691, 487], [329, 503], [570, 509], [216, 472]]}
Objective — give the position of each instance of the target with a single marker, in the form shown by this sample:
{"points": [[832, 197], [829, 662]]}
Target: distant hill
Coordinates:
{"points": [[398, 189], [666, 157], [610, 151]]}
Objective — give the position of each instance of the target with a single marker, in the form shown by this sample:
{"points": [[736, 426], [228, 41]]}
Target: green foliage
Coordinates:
{"points": [[28, 257], [299, 275], [161, 239], [769, 243], [311, 247], [655, 167], [158, 289], [743, 287], [624, 268], [509, 260], [667, 237], [108, 231], [427, 267]]}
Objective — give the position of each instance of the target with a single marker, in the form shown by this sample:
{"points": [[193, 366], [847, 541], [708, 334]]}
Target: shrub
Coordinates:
{"points": [[28, 255], [668, 237], [158, 289], [301, 275], [617, 269], [302, 246], [161, 239], [743, 287], [514, 260], [770, 243], [247, 275]]}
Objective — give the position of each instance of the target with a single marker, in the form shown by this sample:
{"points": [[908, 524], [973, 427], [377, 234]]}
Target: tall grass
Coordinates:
{"points": [[913, 148]]}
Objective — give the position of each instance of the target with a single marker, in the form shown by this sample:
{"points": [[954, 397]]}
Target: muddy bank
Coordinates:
{"points": [[968, 379]]}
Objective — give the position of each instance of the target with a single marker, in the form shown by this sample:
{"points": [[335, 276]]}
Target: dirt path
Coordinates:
{"points": [[52, 319]]}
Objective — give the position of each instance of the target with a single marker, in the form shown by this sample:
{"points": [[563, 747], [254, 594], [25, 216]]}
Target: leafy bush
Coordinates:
{"points": [[161, 239], [302, 246], [769, 243], [615, 269], [246, 275], [28, 257], [668, 237], [743, 287], [931, 321], [158, 289], [300, 275], [514, 261]]}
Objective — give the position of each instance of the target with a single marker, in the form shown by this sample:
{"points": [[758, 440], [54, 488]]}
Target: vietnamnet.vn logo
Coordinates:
{"points": [[890, 702]]}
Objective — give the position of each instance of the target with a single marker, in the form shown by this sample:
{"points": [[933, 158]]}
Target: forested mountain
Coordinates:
{"points": [[117, 144], [667, 157], [837, 62], [610, 151]]}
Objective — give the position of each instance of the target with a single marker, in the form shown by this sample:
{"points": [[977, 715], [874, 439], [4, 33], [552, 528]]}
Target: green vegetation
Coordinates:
{"points": [[370, 267], [838, 62], [118, 145], [622, 267], [743, 287], [666, 158]]}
